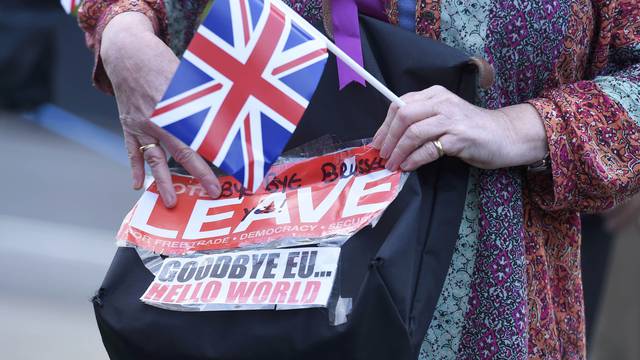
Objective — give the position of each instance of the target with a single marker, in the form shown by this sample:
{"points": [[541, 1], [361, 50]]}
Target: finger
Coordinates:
{"points": [[157, 161], [405, 117], [384, 128], [192, 162], [411, 97], [414, 137], [425, 153], [391, 113], [136, 160], [421, 156]]}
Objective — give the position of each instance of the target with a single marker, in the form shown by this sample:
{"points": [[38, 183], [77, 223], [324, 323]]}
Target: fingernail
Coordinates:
{"points": [[374, 142], [391, 166], [404, 166], [213, 190], [385, 152], [169, 200]]}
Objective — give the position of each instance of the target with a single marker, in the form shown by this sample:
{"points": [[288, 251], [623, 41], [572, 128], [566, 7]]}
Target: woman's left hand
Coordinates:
{"points": [[488, 139]]}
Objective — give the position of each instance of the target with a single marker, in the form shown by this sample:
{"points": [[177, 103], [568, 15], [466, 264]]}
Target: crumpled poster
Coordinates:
{"points": [[277, 248]]}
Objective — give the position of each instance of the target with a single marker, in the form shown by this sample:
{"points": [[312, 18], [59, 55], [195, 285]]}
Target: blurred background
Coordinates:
{"points": [[63, 193], [65, 187]]}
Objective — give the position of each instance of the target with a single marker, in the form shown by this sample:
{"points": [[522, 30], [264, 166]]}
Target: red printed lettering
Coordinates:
{"points": [[239, 292], [279, 293], [156, 292]]}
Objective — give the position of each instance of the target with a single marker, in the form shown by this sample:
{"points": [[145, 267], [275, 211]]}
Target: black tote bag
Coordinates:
{"points": [[393, 273]]}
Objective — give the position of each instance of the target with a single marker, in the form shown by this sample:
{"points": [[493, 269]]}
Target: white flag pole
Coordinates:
{"points": [[340, 54], [364, 73]]}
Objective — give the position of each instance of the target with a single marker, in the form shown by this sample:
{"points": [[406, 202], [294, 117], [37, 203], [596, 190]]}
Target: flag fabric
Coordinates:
{"points": [[70, 6], [243, 84]]}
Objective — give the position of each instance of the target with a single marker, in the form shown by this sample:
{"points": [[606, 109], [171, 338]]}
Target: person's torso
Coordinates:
{"points": [[532, 45]]}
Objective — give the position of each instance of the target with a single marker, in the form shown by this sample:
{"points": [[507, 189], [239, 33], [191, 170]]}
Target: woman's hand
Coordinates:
{"points": [[140, 67], [487, 139]]}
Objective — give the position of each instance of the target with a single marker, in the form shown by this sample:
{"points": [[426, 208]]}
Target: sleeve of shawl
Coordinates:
{"points": [[94, 15], [593, 127]]}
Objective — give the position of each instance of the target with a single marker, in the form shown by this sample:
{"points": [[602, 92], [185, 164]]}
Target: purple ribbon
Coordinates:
{"points": [[346, 32]]}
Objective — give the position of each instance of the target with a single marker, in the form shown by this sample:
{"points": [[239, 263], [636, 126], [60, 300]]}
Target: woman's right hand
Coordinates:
{"points": [[140, 67]]}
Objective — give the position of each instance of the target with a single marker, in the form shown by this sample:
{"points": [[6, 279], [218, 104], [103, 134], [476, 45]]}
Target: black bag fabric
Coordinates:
{"points": [[394, 272]]}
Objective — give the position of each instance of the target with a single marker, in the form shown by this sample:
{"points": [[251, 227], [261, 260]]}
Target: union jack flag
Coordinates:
{"points": [[243, 84], [70, 6]]}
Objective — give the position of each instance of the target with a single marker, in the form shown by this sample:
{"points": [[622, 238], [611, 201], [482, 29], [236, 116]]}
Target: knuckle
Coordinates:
{"points": [[411, 97], [452, 146], [422, 154], [455, 128], [184, 155], [413, 133], [448, 101], [408, 164], [408, 96], [453, 99], [209, 178], [446, 91], [403, 116], [431, 151], [391, 141], [443, 105], [129, 122], [133, 154], [147, 126], [438, 88], [454, 149], [154, 159], [443, 122]]}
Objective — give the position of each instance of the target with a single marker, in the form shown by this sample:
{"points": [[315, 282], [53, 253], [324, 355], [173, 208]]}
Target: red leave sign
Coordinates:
{"points": [[304, 202]]}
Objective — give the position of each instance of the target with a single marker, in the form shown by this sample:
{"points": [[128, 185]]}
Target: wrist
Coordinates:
{"points": [[527, 142], [130, 51], [124, 33]]}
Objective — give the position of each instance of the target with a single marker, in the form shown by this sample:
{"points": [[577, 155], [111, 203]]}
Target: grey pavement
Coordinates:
{"points": [[60, 206]]}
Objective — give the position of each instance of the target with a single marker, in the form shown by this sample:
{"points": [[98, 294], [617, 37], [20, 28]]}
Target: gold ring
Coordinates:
{"points": [[144, 148], [438, 146]]}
